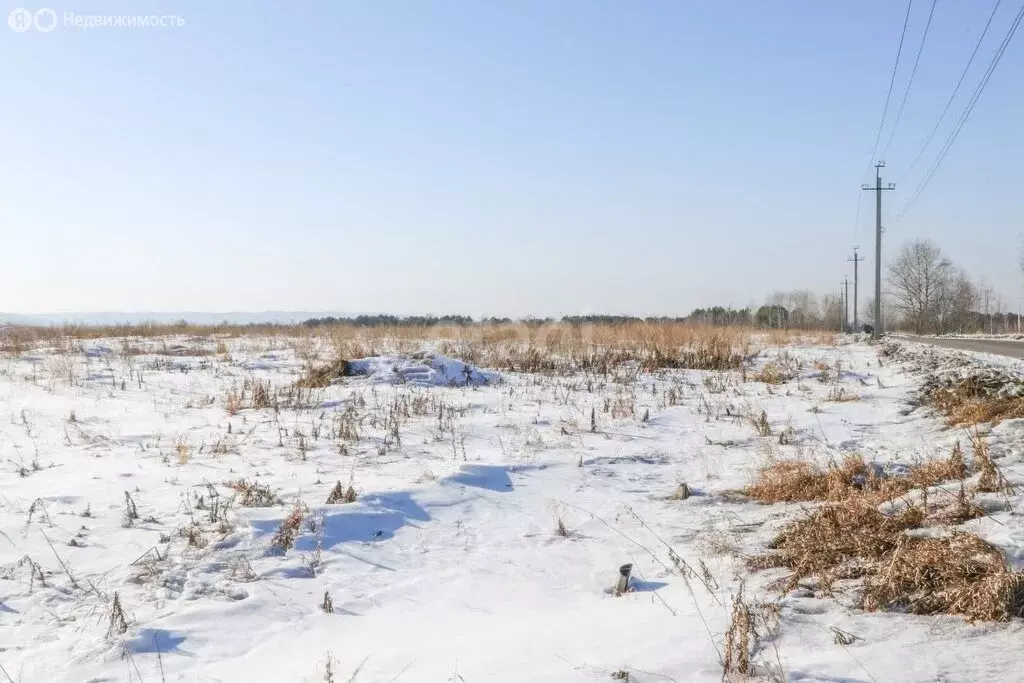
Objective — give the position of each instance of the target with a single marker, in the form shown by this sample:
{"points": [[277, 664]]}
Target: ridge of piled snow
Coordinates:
{"points": [[424, 368]]}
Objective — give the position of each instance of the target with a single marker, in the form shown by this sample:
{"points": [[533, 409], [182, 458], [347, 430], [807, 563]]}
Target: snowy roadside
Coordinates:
{"points": [[490, 519]]}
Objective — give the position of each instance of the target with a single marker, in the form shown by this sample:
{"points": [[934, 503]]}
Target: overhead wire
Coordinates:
{"points": [[956, 90], [885, 109], [892, 80], [965, 115], [910, 81]]}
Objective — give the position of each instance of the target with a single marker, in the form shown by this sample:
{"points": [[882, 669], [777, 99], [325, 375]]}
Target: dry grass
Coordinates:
{"points": [[739, 639], [284, 538], [320, 376], [837, 541], [184, 449], [749, 625], [254, 393], [760, 424], [991, 479], [546, 347], [772, 373], [959, 574], [792, 481], [253, 494], [341, 495], [849, 537], [974, 399], [839, 394]]}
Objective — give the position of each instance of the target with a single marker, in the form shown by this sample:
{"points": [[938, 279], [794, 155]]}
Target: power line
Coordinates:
{"points": [[910, 81], [885, 109], [892, 80], [956, 90], [966, 113]]}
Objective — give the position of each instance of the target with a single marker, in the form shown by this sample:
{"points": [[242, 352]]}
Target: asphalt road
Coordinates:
{"points": [[1000, 347]]}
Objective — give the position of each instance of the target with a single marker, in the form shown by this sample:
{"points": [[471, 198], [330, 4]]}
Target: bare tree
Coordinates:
{"points": [[960, 302], [920, 280]]}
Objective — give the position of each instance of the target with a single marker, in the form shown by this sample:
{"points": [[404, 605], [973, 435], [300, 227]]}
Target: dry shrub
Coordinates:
{"points": [[253, 494], [935, 471], [824, 371], [118, 624], [320, 376], [850, 538], [739, 639], [792, 481], [232, 402], [991, 479], [760, 423], [340, 494], [682, 491], [255, 393], [284, 538], [955, 511], [772, 374], [960, 574], [749, 624], [839, 394], [837, 541], [984, 397], [193, 535], [262, 394], [184, 449]]}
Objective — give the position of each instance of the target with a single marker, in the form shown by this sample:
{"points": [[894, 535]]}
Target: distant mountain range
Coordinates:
{"points": [[194, 317]]}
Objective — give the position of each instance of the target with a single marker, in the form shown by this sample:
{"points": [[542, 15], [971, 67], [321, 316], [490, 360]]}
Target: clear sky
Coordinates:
{"points": [[489, 157]]}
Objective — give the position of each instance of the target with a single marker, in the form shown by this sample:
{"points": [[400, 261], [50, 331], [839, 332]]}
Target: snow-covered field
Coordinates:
{"points": [[127, 474]]}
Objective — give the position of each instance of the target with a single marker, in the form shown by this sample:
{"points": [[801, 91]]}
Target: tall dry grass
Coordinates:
{"points": [[851, 537]]}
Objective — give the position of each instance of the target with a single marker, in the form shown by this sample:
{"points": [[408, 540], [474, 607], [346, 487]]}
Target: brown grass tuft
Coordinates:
{"points": [[252, 494], [974, 399], [739, 639], [839, 394], [760, 423], [837, 541], [771, 374], [320, 376], [284, 538], [960, 574], [340, 494], [849, 537], [792, 481]]}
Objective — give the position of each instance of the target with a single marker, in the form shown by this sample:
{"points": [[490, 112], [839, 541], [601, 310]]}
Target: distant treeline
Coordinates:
{"points": [[431, 320]]}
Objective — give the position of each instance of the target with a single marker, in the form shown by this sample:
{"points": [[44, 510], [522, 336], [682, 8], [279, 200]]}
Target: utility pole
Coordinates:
{"points": [[846, 304], [856, 315], [878, 244], [839, 310]]}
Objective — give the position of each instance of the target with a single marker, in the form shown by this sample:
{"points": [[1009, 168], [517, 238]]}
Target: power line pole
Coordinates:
{"points": [[839, 310], [877, 330], [846, 305], [856, 316]]}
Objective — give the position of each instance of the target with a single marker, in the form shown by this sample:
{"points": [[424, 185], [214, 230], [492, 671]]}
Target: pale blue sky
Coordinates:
{"points": [[485, 157]]}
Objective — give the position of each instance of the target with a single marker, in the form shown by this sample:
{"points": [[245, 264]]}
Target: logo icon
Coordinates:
{"points": [[20, 19], [46, 20]]}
